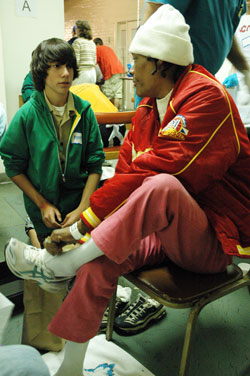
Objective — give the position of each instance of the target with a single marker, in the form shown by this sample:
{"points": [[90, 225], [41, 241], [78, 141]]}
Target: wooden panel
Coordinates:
{"points": [[114, 117]]}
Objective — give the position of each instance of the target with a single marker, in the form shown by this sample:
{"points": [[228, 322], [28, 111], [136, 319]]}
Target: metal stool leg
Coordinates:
{"points": [[111, 317]]}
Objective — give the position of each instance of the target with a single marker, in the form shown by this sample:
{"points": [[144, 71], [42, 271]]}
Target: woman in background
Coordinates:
{"points": [[85, 51]]}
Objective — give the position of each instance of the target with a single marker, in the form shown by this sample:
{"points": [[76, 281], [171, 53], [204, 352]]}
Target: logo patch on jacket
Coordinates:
{"points": [[176, 128], [76, 138]]}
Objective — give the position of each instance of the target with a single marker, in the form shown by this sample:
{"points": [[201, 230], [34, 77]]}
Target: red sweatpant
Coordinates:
{"points": [[160, 219]]}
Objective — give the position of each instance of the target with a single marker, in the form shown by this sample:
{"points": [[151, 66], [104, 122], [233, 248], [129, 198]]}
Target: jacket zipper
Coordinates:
{"points": [[78, 117]]}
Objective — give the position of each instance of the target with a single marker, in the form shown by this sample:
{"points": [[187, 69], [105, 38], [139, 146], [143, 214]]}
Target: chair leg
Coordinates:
{"points": [[189, 335], [111, 317]]}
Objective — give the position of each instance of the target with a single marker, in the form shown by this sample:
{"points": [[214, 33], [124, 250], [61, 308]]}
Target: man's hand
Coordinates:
{"points": [[53, 248], [57, 240]]}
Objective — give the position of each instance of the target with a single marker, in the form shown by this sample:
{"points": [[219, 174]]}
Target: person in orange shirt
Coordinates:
{"points": [[111, 68]]}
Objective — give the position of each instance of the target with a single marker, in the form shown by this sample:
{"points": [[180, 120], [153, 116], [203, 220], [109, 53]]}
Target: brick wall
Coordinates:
{"points": [[102, 16]]}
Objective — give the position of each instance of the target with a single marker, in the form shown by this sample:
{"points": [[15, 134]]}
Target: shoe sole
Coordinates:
{"points": [[52, 287], [143, 326]]}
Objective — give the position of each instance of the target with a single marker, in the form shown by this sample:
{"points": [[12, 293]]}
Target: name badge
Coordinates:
{"points": [[76, 138]]}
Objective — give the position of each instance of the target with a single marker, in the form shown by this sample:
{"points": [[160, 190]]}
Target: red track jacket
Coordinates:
{"points": [[202, 141]]}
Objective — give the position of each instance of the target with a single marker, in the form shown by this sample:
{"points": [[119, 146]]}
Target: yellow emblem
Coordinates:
{"points": [[176, 128]]}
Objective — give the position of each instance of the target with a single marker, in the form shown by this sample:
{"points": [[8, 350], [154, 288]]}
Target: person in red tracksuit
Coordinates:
{"points": [[181, 189]]}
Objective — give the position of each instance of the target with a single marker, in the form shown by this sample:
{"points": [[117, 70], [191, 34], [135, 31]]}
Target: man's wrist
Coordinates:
{"points": [[75, 233], [82, 227]]}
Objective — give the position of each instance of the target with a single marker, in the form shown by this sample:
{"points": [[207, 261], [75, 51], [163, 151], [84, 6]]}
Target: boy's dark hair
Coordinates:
{"points": [[47, 52], [98, 41], [84, 29]]}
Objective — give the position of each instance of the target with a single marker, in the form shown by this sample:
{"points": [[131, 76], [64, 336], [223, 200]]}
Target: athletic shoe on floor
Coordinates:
{"points": [[139, 316], [26, 262], [28, 226], [119, 308]]}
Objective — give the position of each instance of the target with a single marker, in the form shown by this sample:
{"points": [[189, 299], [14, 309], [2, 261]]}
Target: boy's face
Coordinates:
{"points": [[57, 83], [144, 81]]}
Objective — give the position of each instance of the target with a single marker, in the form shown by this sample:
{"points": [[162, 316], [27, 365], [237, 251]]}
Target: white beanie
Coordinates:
{"points": [[164, 36]]}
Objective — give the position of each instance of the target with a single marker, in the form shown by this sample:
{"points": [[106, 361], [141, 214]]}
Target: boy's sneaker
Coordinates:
{"points": [[139, 316], [26, 262]]}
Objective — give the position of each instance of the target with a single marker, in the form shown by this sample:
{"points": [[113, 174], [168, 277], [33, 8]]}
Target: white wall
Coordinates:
{"points": [[20, 36]]}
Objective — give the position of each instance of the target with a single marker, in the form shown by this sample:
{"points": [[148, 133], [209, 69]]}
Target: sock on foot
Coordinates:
{"points": [[69, 262], [72, 363]]}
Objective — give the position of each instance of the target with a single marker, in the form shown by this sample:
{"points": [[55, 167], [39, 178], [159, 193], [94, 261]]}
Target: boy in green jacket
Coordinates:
{"points": [[52, 148], [53, 151]]}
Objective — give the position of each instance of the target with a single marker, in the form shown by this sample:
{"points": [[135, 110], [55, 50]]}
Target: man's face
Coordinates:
{"points": [[58, 81], [144, 81]]}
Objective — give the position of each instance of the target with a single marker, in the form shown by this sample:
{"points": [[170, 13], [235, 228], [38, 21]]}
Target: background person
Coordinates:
{"points": [[175, 194], [212, 44], [27, 87], [2, 121], [236, 80], [111, 68], [74, 36], [85, 50]]}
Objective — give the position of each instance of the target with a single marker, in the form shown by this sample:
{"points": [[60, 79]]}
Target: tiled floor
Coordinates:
{"points": [[222, 342]]}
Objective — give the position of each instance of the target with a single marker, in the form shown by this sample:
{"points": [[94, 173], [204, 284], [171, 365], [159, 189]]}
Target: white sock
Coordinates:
{"points": [[69, 262], [72, 363]]}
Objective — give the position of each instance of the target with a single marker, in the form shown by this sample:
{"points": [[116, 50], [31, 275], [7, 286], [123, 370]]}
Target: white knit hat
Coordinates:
{"points": [[164, 36]]}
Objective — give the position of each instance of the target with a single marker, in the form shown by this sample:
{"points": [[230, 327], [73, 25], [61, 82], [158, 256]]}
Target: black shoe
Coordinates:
{"points": [[120, 306], [139, 316]]}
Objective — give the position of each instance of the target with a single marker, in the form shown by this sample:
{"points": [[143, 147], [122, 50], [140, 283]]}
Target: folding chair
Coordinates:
{"points": [[175, 287]]}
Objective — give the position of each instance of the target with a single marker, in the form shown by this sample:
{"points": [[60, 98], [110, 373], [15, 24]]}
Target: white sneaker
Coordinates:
{"points": [[27, 262]]}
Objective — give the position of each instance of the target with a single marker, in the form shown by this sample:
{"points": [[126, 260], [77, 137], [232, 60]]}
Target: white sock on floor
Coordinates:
{"points": [[72, 363], [69, 262]]}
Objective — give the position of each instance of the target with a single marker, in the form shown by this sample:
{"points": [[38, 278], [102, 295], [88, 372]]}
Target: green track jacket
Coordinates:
{"points": [[30, 146]]}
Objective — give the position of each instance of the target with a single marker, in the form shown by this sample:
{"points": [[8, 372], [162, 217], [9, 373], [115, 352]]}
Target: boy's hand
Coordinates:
{"points": [[51, 216], [71, 218]]}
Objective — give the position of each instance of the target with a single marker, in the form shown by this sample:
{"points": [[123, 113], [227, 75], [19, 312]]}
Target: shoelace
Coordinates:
{"points": [[145, 304], [35, 256], [130, 308], [138, 312], [117, 303]]}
